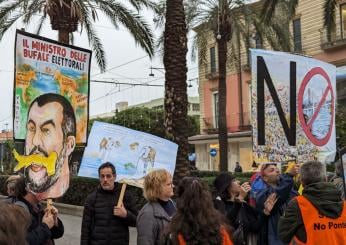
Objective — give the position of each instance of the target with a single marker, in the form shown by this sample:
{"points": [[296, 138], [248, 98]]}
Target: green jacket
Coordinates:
{"points": [[324, 196]]}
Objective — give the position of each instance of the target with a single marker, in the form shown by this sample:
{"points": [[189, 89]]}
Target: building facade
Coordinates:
{"points": [[193, 107], [309, 38]]}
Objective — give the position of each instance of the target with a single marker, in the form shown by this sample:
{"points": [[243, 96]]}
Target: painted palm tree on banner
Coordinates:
{"points": [[67, 15]]}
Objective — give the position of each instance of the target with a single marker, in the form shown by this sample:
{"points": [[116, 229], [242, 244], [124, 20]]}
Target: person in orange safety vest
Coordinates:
{"points": [[318, 217]]}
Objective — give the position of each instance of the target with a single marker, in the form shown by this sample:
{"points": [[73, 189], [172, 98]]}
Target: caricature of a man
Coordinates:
{"points": [[51, 127]]}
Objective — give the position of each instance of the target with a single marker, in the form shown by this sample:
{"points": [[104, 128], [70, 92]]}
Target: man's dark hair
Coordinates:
{"points": [[107, 165], [69, 119], [20, 188]]}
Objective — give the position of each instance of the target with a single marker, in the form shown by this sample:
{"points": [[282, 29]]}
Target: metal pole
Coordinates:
{"points": [[2, 157], [341, 153]]}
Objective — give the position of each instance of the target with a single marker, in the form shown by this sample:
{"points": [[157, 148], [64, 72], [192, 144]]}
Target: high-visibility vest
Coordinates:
{"points": [[320, 230], [226, 240]]}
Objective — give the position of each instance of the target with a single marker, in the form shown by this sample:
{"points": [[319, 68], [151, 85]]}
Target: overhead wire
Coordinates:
{"points": [[121, 90], [121, 65]]}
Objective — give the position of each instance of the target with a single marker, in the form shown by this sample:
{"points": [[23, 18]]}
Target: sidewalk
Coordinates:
{"points": [[71, 217], [72, 226]]}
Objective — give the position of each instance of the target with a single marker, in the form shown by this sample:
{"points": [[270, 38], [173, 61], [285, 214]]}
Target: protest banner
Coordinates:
{"points": [[50, 110], [133, 153], [46, 66], [293, 108]]}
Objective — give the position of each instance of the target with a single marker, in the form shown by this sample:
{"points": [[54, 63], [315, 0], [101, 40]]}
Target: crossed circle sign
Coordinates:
{"points": [[306, 126]]}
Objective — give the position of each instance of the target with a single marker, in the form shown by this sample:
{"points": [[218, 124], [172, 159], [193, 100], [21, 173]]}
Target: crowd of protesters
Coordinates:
{"points": [[268, 210]]}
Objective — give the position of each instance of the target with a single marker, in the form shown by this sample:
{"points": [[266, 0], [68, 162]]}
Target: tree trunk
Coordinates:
{"points": [[64, 36], [175, 50], [63, 19], [222, 122], [240, 84]]}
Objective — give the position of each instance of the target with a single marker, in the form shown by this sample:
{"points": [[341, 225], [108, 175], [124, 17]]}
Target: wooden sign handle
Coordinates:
{"points": [[121, 196], [49, 203]]}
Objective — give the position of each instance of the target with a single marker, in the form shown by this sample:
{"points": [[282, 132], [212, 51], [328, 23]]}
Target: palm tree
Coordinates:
{"points": [[222, 18], [174, 59], [66, 15], [232, 22]]}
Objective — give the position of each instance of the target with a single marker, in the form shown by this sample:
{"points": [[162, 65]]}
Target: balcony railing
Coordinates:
{"points": [[234, 123], [211, 74], [334, 40]]}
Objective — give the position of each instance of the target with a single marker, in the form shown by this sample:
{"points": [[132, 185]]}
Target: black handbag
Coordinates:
{"points": [[239, 237], [246, 218]]}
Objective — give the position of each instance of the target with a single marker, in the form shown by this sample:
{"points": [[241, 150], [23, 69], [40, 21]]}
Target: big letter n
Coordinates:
{"points": [[264, 76]]}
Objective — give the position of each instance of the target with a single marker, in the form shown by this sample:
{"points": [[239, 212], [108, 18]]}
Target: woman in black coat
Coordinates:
{"points": [[231, 201]]}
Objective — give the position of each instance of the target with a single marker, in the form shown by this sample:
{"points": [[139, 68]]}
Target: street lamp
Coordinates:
{"points": [[155, 68], [6, 124], [190, 80]]}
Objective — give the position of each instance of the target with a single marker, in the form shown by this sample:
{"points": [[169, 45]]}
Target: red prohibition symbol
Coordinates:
{"points": [[306, 126]]}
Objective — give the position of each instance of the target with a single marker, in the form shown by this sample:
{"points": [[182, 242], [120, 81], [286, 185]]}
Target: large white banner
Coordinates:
{"points": [[133, 153], [293, 108]]}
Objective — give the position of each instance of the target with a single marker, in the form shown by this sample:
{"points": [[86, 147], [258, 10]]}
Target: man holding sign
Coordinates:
{"points": [[49, 141], [104, 222]]}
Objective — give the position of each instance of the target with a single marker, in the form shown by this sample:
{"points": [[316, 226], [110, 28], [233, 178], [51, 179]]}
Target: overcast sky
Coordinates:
{"points": [[126, 63]]}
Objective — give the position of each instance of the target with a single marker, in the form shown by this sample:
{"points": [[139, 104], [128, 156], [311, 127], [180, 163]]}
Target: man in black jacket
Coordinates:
{"points": [[45, 225], [104, 222]]}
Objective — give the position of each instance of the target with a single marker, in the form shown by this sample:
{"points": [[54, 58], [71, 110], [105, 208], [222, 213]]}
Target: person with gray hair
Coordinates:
{"points": [[338, 180], [318, 216]]}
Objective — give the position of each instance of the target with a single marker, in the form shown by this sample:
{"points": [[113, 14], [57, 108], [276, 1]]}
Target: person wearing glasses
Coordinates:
{"points": [[103, 222], [157, 213]]}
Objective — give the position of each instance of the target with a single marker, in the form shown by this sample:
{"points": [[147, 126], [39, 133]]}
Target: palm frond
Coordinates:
{"points": [[40, 24], [7, 10], [160, 14], [138, 4], [292, 6], [134, 23], [8, 23], [268, 9], [93, 38], [329, 15], [72, 38], [201, 41], [30, 9]]}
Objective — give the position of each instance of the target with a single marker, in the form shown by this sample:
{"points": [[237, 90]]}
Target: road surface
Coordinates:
{"points": [[72, 226]]}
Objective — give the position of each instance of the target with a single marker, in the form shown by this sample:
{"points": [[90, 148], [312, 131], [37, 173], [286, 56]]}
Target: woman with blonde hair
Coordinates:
{"points": [[157, 213]]}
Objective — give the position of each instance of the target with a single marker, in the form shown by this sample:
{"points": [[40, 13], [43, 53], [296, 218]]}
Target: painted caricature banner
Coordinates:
{"points": [[293, 108], [132, 152], [45, 66]]}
